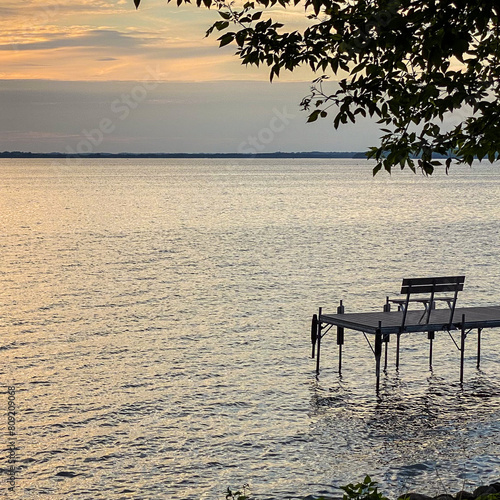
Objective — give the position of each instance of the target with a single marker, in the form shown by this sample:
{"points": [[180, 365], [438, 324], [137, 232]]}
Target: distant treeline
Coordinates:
{"points": [[311, 154], [305, 154]]}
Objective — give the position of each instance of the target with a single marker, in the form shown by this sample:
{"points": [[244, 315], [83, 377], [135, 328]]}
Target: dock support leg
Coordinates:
{"points": [[398, 337], [378, 355], [386, 342], [462, 349], [318, 341], [340, 336], [340, 359], [387, 308], [430, 336], [478, 347], [314, 334]]}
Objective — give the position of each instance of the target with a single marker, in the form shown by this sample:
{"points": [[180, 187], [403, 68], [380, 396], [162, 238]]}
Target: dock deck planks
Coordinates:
{"points": [[475, 317]]}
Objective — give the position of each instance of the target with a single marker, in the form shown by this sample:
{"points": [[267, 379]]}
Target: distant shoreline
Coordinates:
{"points": [[310, 154]]}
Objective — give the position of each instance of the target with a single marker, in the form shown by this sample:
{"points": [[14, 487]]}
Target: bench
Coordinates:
{"points": [[433, 288]]}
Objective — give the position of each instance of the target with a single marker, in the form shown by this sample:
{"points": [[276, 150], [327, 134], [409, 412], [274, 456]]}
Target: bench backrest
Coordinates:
{"points": [[449, 284], [432, 285]]}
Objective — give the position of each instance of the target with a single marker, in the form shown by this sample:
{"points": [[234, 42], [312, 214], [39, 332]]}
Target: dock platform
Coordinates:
{"points": [[381, 325]]}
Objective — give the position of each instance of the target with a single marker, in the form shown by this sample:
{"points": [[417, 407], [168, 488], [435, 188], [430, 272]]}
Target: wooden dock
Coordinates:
{"points": [[381, 325]]}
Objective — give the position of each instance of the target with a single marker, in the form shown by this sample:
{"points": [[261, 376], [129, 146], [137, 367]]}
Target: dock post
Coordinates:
{"points": [[430, 336], [387, 305], [314, 334], [478, 347], [462, 349], [387, 308], [385, 339], [340, 336], [398, 337], [378, 353], [318, 340]]}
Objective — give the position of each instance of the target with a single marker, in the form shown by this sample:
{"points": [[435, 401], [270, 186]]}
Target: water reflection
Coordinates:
{"points": [[409, 437]]}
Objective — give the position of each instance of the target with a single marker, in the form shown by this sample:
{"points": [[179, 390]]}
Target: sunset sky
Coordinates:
{"points": [[101, 73]]}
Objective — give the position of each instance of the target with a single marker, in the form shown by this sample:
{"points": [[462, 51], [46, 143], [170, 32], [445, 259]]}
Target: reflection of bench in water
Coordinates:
{"points": [[382, 325]]}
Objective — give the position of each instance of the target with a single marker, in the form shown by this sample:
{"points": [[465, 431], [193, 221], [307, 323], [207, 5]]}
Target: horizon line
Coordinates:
{"points": [[277, 154]]}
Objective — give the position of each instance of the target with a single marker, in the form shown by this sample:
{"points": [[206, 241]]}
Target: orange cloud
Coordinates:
{"points": [[110, 40]]}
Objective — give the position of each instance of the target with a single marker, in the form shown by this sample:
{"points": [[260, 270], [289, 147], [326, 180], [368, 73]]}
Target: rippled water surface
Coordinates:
{"points": [[155, 320]]}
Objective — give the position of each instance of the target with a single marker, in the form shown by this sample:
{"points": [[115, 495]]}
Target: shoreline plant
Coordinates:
{"points": [[368, 490]]}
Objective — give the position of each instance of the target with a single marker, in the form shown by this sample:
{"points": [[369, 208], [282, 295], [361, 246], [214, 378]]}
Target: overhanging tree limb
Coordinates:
{"points": [[412, 64]]}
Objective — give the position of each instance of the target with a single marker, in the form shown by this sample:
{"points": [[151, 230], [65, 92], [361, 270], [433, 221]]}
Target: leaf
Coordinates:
{"points": [[358, 68], [241, 37], [226, 39], [313, 116], [448, 163], [460, 46], [317, 5], [426, 167], [221, 25]]}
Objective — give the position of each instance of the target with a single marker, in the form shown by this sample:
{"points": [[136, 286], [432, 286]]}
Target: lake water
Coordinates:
{"points": [[155, 323]]}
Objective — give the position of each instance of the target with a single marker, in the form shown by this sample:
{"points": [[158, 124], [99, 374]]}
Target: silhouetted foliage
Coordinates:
{"points": [[411, 64]]}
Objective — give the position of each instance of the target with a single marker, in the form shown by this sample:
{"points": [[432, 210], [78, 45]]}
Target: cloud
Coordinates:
{"points": [[16, 135], [96, 38], [110, 40], [38, 9], [100, 53]]}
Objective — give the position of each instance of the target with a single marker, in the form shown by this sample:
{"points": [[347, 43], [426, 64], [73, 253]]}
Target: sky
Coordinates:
{"points": [[101, 76]]}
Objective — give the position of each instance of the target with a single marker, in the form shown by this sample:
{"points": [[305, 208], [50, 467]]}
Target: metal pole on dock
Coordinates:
{"points": [[386, 342], [314, 334], [398, 337], [387, 305], [387, 308], [478, 347], [318, 340], [378, 353], [340, 336], [430, 336], [462, 349]]}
